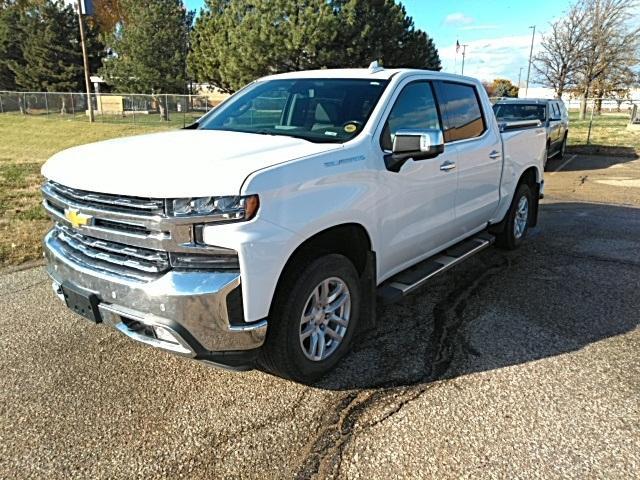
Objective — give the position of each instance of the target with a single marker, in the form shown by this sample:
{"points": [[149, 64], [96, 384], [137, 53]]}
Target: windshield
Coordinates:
{"points": [[520, 111], [318, 110]]}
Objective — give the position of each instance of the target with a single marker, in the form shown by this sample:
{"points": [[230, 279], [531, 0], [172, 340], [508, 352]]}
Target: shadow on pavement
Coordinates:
{"points": [[592, 157], [574, 282]]}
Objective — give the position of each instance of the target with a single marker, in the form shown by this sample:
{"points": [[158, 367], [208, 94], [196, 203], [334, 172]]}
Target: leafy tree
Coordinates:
{"points": [[108, 14], [236, 41], [501, 87], [149, 49], [49, 56]]}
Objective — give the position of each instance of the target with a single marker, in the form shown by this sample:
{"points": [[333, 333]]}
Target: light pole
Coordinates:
{"points": [[464, 51], [520, 76], [526, 91], [85, 60]]}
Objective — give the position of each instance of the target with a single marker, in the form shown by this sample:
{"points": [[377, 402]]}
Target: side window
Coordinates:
{"points": [[563, 109], [414, 109], [556, 110], [461, 111]]}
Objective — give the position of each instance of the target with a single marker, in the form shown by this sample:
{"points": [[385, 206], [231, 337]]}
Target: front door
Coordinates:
{"points": [[421, 196]]}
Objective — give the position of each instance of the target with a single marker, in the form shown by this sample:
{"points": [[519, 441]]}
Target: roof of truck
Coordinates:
{"points": [[363, 73]]}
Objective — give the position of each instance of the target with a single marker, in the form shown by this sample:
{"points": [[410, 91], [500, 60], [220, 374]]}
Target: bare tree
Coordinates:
{"points": [[617, 84], [612, 42], [563, 49]]}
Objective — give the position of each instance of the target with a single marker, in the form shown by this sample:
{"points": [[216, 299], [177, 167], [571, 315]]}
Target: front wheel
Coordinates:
{"points": [[314, 318], [517, 219]]}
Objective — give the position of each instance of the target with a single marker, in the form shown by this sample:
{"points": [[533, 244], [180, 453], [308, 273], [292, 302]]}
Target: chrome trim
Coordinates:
{"points": [[249, 327], [130, 203], [112, 315], [447, 263], [114, 254], [448, 165], [164, 233], [194, 300]]}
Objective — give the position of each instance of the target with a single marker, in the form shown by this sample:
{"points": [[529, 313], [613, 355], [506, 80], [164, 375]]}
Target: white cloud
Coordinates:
{"points": [[491, 58], [486, 26], [458, 18]]}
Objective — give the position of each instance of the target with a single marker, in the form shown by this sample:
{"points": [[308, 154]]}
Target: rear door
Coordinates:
{"points": [[555, 126], [468, 129]]}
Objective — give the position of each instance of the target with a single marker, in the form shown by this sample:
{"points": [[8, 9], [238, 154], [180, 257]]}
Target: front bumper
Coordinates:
{"points": [[189, 308]]}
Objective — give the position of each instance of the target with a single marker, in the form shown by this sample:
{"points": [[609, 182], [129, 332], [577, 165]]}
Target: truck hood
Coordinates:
{"points": [[183, 163]]}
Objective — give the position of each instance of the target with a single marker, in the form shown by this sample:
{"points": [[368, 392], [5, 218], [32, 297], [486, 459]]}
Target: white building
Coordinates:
{"points": [[573, 102]]}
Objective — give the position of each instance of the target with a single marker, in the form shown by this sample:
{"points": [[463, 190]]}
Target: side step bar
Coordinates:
{"points": [[405, 282]]}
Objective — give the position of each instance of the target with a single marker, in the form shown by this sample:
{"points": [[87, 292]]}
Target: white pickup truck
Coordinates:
{"points": [[262, 234]]}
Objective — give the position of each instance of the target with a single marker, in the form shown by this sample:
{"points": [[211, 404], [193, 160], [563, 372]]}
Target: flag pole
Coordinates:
{"points": [[464, 52]]}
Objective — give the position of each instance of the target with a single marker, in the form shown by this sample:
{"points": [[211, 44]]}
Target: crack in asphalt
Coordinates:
{"points": [[598, 258], [323, 455]]}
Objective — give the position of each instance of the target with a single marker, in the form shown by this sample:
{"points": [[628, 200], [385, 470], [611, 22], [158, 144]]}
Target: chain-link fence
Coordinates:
{"points": [[180, 110]]}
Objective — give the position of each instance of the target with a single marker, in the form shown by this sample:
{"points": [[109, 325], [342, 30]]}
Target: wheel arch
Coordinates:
{"points": [[349, 239]]}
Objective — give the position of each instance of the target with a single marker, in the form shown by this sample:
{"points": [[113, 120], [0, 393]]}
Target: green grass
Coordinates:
{"points": [[27, 141], [25, 144], [609, 135]]}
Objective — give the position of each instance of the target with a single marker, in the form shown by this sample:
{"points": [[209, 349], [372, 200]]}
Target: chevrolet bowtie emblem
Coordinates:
{"points": [[76, 218]]}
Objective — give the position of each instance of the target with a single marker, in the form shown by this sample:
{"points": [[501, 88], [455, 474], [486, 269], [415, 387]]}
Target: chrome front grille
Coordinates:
{"points": [[129, 236], [82, 198], [112, 257]]}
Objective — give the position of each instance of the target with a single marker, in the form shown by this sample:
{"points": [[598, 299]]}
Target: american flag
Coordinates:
{"points": [[457, 46]]}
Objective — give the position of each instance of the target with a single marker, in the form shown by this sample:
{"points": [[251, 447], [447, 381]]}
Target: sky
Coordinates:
{"points": [[496, 31]]}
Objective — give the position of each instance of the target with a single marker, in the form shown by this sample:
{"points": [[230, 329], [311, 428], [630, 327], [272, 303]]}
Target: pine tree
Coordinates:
{"points": [[10, 51], [45, 47], [149, 48], [236, 41], [381, 30]]}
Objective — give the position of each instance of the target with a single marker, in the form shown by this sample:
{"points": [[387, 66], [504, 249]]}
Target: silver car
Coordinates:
{"points": [[552, 113]]}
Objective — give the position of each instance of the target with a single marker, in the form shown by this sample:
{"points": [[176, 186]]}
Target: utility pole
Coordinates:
{"points": [[526, 91], [86, 64], [520, 76], [464, 51]]}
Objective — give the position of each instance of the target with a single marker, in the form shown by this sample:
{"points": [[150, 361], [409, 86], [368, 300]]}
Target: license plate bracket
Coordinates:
{"points": [[82, 302]]}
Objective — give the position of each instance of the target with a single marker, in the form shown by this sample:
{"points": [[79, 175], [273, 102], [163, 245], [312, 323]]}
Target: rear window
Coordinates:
{"points": [[461, 112], [509, 112]]}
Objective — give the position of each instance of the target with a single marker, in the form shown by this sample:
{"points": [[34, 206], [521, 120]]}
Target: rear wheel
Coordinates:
{"points": [[313, 320], [517, 220], [563, 148]]}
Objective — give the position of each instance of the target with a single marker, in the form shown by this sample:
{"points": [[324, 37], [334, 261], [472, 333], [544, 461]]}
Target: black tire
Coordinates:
{"points": [[282, 353], [547, 151], [507, 238], [563, 148]]}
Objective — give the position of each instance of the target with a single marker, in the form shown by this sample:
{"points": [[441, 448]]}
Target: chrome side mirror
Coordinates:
{"points": [[415, 144]]}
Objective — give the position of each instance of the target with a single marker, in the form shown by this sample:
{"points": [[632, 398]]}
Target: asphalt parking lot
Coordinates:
{"points": [[513, 365]]}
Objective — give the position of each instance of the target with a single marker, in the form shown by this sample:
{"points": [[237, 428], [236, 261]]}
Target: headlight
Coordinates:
{"points": [[201, 261], [220, 208]]}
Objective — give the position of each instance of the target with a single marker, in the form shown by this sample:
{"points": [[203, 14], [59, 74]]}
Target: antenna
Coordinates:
{"points": [[375, 67]]}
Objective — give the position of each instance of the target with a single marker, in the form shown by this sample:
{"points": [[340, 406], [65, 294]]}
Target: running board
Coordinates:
{"points": [[405, 282]]}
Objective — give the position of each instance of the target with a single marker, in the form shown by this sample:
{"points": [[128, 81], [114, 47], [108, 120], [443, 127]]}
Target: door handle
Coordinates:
{"points": [[446, 166], [494, 154]]}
